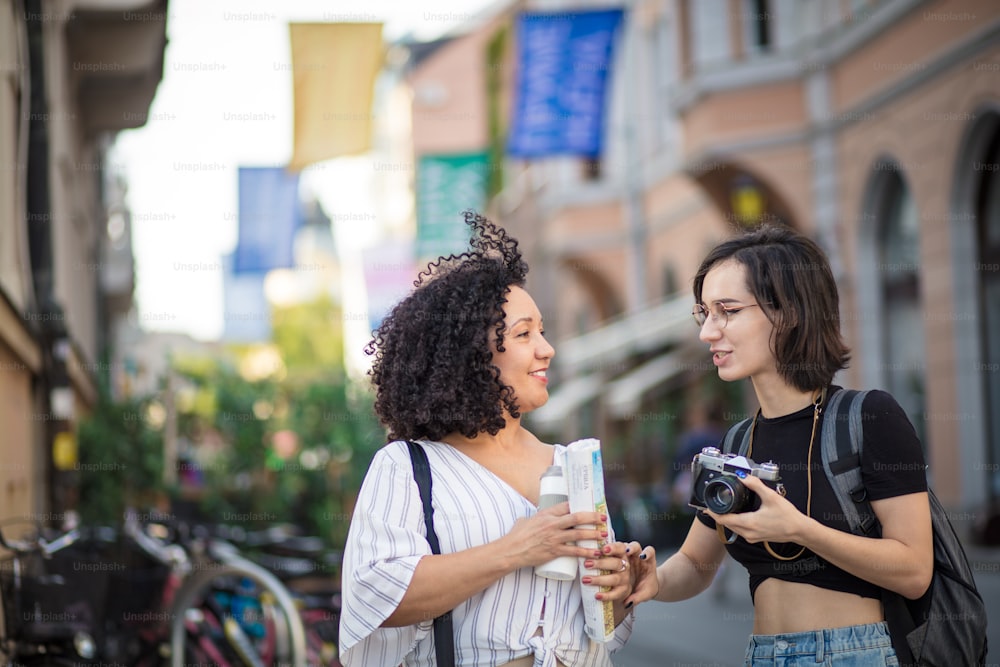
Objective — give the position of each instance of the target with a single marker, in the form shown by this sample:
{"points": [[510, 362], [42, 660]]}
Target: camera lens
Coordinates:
{"points": [[726, 494]]}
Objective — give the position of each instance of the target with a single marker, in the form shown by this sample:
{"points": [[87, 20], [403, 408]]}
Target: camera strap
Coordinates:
{"points": [[747, 451]]}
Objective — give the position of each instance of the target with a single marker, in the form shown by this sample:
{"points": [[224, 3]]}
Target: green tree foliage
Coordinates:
{"points": [[120, 457], [336, 437], [309, 337], [325, 422]]}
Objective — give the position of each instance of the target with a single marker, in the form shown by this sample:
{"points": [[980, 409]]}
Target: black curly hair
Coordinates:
{"points": [[433, 370]]}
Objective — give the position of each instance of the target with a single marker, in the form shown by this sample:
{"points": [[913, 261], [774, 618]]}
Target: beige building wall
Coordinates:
{"points": [[922, 133], [21, 469], [449, 102], [911, 46], [684, 225], [724, 118], [102, 65]]}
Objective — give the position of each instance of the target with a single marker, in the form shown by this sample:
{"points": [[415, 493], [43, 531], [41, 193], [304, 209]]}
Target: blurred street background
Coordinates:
{"points": [[206, 208]]}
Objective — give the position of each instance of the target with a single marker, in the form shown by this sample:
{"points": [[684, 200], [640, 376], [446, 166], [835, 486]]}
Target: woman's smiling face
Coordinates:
{"points": [[525, 360]]}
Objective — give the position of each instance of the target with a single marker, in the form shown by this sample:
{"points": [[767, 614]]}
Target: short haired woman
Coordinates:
{"points": [[767, 306]]}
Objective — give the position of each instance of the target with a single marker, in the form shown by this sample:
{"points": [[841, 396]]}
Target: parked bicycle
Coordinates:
{"points": [[311, 572], [78, 596], [155, 592], [227, 611]]}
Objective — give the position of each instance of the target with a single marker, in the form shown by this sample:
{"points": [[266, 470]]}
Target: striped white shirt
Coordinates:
{"points": [[472, 507]]}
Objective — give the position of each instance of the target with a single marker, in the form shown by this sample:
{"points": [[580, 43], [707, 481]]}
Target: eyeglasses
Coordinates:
{"points": [[719, 313]]}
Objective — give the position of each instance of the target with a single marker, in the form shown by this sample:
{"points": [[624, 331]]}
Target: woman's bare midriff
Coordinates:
{"points": [[782, 607]]}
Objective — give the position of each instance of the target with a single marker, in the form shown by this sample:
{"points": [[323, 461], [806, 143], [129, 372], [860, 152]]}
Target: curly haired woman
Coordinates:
{"points": [[457, 364]]}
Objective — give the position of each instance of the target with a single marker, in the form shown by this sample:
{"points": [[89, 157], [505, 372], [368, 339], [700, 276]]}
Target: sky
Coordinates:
{"points": [[227, 60]]}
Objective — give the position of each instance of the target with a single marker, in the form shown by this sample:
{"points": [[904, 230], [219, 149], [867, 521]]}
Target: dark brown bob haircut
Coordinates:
{"points": [[790, 277]]}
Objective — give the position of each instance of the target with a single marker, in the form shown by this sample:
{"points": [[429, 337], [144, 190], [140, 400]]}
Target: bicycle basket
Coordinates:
{"points": [[45, 599], [138, 587]]}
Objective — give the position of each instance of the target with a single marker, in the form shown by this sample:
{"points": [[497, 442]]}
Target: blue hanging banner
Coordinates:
{"points": [[246, 317], [270, 213], [563, 64]]}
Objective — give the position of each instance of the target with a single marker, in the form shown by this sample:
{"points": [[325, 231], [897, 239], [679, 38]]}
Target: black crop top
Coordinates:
{"points": [[892, 464]]}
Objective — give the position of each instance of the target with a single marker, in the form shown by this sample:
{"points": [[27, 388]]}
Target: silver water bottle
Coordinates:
{"points": [[552, 492]]}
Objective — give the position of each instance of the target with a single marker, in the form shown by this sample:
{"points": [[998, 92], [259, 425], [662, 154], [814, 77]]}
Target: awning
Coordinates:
{"points": [[648, 330], [622, 396], [596, 364], [568, 397]]}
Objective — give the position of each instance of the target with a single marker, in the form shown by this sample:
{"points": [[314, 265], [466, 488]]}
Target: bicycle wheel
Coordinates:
{"points": [[210, 619], [322, 629]]}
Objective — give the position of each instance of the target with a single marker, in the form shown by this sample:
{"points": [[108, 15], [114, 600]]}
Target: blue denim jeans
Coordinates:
{"points": [[851, 646]]}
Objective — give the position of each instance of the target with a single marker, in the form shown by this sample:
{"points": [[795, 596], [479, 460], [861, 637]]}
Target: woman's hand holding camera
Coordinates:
{"points": [[777, 520]]}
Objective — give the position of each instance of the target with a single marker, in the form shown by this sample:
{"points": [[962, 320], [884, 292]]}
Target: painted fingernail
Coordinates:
{"points": [[585, 580], [599, 596], [642, 556], [607, 549], [598, 554], [628, 605], [628, 549], [588, 563]]}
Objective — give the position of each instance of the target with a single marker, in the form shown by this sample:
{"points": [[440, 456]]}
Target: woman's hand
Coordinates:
{"points": [[551, 533], [777, 520], [625, 567], [645, 583]]}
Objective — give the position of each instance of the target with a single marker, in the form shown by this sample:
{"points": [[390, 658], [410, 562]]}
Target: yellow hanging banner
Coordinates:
{"points": [[334, 66]]}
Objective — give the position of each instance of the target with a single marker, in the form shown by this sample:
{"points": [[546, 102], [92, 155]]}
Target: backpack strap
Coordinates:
{"points": [[842, 440], [444, 636], [738, 433]]}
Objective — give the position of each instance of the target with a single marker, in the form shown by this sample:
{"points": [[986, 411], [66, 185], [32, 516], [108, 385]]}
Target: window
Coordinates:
{"points": [[757, 26], [902, 325], [988, 274], [665, 76], [710, 43]]}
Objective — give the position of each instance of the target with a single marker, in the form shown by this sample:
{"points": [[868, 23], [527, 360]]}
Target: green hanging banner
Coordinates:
{"points": [[446, 186]]}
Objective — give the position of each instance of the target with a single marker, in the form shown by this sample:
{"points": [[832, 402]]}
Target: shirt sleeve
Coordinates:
{"points": [[892, 462], [384, 545], [622, 632]]}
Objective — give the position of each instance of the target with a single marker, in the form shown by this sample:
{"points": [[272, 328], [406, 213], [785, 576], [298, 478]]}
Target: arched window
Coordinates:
{"points": [[902, 325], [987, 271], [758, 27]]}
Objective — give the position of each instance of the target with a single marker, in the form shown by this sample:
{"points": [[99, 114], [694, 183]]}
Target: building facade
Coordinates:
{"points": [[75, 73], [871, 126]]}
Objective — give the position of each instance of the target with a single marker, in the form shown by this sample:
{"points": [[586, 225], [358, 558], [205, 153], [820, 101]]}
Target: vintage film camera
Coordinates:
{"points": [[717, 484]]}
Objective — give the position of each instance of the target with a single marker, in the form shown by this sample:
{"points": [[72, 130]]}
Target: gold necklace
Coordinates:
{"points": [[818, 400]]}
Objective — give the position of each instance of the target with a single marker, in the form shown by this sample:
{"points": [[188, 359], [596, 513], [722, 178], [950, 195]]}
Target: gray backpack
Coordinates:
{"points": [[946, 627]]}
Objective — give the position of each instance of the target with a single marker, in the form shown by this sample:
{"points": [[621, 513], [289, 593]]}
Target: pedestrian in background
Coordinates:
{"points": [[457, 365], [768, 307], [705, 428]]}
